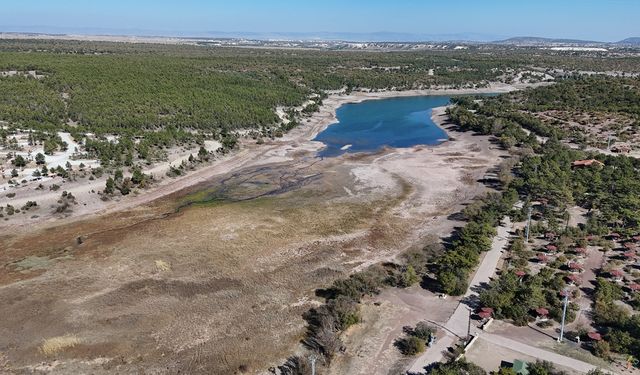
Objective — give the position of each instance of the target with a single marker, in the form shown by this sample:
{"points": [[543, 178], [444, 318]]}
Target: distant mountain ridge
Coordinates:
{"points": [[329, 36], [635, 41], [538, 41]]}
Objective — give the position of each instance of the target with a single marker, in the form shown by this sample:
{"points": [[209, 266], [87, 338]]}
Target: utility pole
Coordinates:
{"points": [[609, 143], [313, 358], [528, 229], [564, 314], [469, 326]]}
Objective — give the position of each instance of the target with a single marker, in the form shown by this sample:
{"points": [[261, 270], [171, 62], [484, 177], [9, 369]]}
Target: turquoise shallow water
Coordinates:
{"points": [[373, 124]]}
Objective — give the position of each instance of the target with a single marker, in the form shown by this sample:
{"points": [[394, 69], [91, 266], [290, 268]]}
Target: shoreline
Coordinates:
{"points": [[251, 154], [336, 100]]}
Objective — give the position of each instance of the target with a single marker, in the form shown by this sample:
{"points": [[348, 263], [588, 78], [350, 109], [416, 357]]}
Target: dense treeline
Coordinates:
{"points": [[622, 329], [113, 87], [609, 191], [584, 93], [456, 265]]}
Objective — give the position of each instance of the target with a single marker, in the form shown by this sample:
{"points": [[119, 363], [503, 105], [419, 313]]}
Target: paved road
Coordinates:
{"points": [[532, 351], [458, 322]]}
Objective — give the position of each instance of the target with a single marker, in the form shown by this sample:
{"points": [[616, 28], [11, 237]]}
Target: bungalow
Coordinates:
{"points": [[630, 254], [594, 336], [575, 267], [617, 275], [542, 314], [551, 248], [587, 163], [542, 258], [485, 313], [621, 149], [520, 367], [614, 235], [580, 251], [634, 287], [573, 279]]}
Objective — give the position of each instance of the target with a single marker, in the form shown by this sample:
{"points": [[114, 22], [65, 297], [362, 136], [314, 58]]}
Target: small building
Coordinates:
{"points": [[575, 267], [587, 163], [621, 149], [634, 287], [542, 314], [520, 367], [551, 248], [542, 258], [485, 313], [520, 274], [631, 254], [617, 275], [580, 251], [574, 279], [594, 336]]}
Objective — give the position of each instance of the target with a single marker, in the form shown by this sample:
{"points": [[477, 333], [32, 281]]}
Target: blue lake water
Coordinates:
{"points": [[373, 124]]}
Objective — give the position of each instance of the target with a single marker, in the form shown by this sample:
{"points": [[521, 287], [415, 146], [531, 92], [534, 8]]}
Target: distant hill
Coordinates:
{"points": [[537, 41], [635, 41]]}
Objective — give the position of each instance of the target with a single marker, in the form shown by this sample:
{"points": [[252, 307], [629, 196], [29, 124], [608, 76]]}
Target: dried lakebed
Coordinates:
{"points": [[216, 277]]}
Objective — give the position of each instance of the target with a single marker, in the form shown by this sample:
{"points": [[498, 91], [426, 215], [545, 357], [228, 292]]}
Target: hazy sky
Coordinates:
{"points": [[606, 20]]}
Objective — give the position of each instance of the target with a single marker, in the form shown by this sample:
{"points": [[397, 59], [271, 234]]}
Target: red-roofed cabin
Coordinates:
{"points": [[485, 313], [630, 245], [542, 313], [595, 336], [634, 287], [617, 275], [587, 163], [636, 238], [621, 149], [575, 267], [551, 248], [574, 279], [542, 258], [564, 293], [580, 250], [550, 236], [520, 273], [630, 254]]}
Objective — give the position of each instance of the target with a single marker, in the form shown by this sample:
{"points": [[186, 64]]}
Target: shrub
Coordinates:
{"points": [[411, 346]]}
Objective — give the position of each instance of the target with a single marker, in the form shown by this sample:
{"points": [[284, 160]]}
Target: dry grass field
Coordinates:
{"points": [[215, 279]]}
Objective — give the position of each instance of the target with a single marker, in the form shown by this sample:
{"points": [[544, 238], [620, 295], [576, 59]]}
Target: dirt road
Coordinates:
{"points": [[457, 325]]}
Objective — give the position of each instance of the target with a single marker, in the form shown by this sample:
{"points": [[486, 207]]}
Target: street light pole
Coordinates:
{"points": [[564, 314], [528, 229], [469, 325], [313, 358]]}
